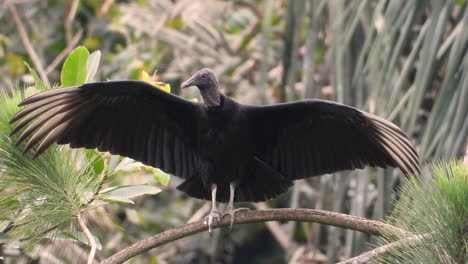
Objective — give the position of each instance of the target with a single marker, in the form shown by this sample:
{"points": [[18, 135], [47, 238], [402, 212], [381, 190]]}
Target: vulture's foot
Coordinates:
{"points": [[231, 211], [214, 215]]}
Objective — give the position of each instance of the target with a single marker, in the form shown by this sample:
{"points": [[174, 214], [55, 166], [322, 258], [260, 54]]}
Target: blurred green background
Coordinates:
{"points": [[402, 60]]}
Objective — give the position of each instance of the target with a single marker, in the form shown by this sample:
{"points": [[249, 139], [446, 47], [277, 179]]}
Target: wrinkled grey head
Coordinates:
{"points": [[203, 79]]}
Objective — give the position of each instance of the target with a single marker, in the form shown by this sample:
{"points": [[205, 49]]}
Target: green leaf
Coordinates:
{"points": [[123, 193], [93, 63], [114, 162], [39, 84], [75, 69], [96, 160], [128, 165], [160, 176], [74, 236]]}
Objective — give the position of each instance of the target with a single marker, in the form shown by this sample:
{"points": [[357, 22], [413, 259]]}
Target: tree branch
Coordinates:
{"points": [[70, 46], [27, 43], [69, 20], [303, 215], [367, 256]]}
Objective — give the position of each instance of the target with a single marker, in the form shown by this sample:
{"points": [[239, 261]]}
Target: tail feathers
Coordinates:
{"points": [[259, 183], [194, 187]]}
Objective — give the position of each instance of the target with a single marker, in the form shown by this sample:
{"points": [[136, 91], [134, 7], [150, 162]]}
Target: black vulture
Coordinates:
{"points": [[225, 151]]}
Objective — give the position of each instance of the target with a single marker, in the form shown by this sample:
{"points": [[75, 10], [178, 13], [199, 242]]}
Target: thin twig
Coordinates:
{"points": [[304, 215], [27, 43], [90, 237], [70, 46], [105, 7], [366, 257], [69, 20]]}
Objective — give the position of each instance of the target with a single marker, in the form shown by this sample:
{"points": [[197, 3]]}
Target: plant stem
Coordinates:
{"points": [[89, 236]]}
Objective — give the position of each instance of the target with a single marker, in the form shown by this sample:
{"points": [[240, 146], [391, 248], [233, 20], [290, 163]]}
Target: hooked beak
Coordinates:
{"points": [[186, 84]]}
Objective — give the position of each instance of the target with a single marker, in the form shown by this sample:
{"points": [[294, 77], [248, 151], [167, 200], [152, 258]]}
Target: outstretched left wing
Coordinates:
{"points": [[130, 118]]}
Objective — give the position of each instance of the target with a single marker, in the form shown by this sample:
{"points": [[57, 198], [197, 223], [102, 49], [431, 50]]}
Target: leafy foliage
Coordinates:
{"points": [[40, 197], [37, 196], [438, 206]]}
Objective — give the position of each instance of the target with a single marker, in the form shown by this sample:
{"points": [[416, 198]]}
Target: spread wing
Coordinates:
{"points": [[129, 118], [313, 137]]}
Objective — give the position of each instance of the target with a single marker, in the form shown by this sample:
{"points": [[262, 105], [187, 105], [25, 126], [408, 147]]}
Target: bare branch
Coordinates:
{"points": [[304, 215], [89, 236], [27, 43], [366, 257], [69, 20], [70, 46]]}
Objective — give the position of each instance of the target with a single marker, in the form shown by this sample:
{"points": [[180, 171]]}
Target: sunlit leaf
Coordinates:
{"points": [[122, 194], [160, 176], [144, 76], [96, 160], [114, 161], [93, 64], [128, 165], [75, 67]]}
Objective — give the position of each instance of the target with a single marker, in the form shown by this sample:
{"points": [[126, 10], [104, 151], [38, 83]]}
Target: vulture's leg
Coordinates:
{"points": [[230, 210], [214, 213]]}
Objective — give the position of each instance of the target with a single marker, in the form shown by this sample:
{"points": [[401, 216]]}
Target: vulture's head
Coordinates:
{"points": [[204, 79]]}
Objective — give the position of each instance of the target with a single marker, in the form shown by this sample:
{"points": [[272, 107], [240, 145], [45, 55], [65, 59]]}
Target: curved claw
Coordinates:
{"points": [[214, 215], [231, 211]]}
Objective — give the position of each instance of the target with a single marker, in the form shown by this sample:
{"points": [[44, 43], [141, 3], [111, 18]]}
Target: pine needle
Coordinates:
{"points": [[43, 195]]}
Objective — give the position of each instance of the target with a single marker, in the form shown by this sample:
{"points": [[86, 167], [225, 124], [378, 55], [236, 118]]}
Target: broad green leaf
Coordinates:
{"points": [[112, 200], [75, 69], [39, 84], [122, 194], [128, 165], [114, 162], [160, 176], [96, 159], [74, 236], [93, 64]]}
